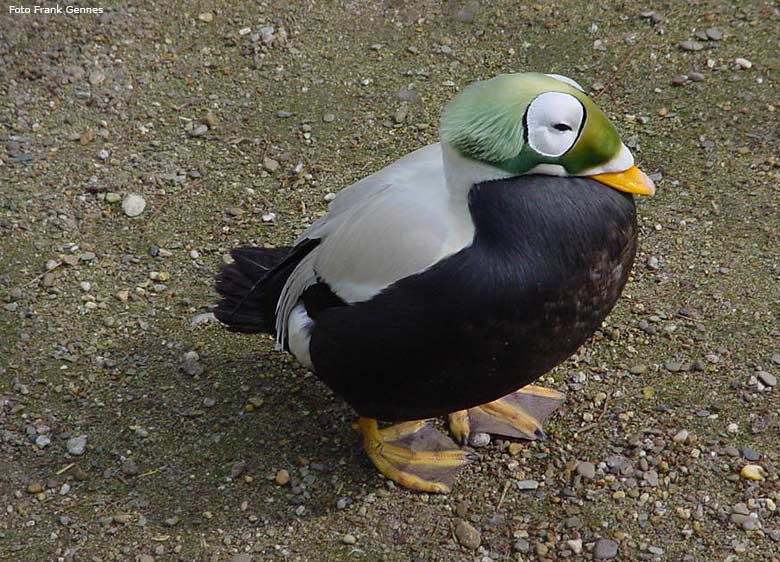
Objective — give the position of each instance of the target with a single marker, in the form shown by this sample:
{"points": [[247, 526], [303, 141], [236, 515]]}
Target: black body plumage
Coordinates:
{"points": [[549, 259]]}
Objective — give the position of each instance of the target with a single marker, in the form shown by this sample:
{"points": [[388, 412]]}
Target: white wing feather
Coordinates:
{"points": [[387, 226]]}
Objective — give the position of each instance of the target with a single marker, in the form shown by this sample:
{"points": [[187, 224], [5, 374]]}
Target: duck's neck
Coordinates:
{"points": [[461, 174]]}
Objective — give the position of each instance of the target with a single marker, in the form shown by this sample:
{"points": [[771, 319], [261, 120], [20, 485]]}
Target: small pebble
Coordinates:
{"points": [[479, 440], [329, 117], [681, 436], [673, 366], [527, 484], [77, 445], [714, 34], [743, 63], [750, 454], [523, 546], [468, 535], [401, 113], [575, 545], [282, 477], [690, 46], [349, 539], [270, 164], [190, 364], [605, 549], [96, 77], [651, 477], [767, 379], [753, 472], [133, 205], [202, 318], [199, 131], [253, 403], [586, 470], [741, 509], [267, 34]]}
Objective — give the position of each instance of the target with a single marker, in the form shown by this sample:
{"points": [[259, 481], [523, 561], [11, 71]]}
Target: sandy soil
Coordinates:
{"points": [[234, 121]]}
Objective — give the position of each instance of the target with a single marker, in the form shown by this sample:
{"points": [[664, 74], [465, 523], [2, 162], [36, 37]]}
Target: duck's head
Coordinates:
{"points": [[532, 123]]}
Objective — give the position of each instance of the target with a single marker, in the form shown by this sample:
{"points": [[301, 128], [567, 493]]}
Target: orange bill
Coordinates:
{"points": [[632, 180]]}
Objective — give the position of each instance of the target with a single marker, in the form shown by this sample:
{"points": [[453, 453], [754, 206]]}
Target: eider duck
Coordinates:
{"points": [[449, 281]]}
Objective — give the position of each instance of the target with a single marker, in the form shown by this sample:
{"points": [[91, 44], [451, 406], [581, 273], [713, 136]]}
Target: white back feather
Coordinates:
{"points": [[392, 224], [387, 226]]}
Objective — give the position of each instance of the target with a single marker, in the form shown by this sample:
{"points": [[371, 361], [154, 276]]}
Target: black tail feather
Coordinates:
{"points": [[251, 285]]}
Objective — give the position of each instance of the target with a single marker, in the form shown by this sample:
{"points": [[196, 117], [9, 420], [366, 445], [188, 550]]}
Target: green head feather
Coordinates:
{"points": [[485, 122]]}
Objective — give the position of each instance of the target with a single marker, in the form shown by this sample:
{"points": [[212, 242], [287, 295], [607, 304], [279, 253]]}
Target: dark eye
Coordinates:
{"points": [[561, 127]]}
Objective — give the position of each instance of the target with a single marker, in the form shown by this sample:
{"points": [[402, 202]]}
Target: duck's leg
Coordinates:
{"points": [[413, 454], [520, 414]]}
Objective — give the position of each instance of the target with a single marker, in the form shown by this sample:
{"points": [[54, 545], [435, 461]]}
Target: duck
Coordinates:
{"points": [[448, 282]]}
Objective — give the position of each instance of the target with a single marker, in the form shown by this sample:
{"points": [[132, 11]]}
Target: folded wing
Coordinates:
{"points": [[390, 225]]}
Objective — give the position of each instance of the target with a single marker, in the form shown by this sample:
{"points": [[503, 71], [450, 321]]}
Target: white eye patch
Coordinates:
{"points": [[554, 120]]}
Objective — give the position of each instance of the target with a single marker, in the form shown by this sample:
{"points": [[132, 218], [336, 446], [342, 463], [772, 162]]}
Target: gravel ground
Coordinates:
{"points": [[139, 145]]}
